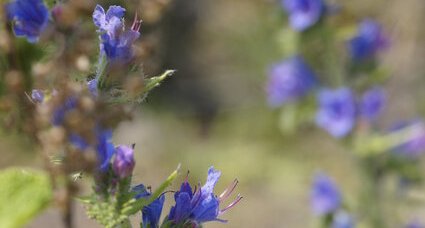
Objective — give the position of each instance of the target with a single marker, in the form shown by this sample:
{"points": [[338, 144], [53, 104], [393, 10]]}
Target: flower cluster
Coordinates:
{"points": [[75, 123], [338, 109], [350, 98], [192, 207]]}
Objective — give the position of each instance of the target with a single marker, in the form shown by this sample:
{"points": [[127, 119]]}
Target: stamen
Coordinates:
{"points": [[238, 198], [228, 190]]}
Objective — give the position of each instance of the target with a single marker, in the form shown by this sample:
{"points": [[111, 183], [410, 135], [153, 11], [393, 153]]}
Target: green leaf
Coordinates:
{"points": [[139, 204], [156, 81], [23, 194]]}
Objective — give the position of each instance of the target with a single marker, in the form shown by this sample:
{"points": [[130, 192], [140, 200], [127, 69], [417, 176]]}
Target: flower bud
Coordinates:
{"points": [[124, 161]]}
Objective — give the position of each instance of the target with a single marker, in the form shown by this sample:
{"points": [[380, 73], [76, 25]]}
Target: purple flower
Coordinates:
{"points": [[337, 112], [104, 148], [303, 13], [116, 42], [124, 161], [29, 18], [415, 224], [372, 103], [325, 196], [342, 219], [369, 40], [37, 95], [152, 212], [202, 205], [289, 80], [415, 145]]}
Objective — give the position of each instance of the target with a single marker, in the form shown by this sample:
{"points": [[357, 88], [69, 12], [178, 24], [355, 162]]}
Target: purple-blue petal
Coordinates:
{"points": [[372, 103], [325, 196], [337, 112], [29, 17], [152, 212], [289, 80], [303, 13]]}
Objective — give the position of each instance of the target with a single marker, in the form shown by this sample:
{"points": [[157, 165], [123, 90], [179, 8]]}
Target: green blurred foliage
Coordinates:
{"points": [[24, 193]]}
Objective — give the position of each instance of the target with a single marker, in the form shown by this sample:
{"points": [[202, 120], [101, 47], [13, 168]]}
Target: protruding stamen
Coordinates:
{"points": [[228, 190], [238, 198], [136, 23]]}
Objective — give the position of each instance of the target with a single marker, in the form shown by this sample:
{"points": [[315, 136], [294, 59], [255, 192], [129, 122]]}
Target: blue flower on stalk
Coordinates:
{"points": [[123, 163], [289, 80], [303, 13], [337, 111], [152, 212], [372, 103], [29, 18], [116, 42], [325, 196], [369, 40], [200, 206]]}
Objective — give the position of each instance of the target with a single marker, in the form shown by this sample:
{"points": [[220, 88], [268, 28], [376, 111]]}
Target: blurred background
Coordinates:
{"points": [[213, 111]]}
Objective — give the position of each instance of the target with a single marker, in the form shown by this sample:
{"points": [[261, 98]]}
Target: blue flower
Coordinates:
{"points": [[104, 148], [372, 103], [37, 95], [303, 13], [123, 163], [414, 145], [202, 205], [337, 111], [342, 219], [289, 80], [325, 196], [368, 42], [29, 18], [116, 42], [152, 212]]}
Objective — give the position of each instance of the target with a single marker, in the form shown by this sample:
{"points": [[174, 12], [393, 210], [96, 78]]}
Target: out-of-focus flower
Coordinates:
{"points": [[337, 111], [289, 80], [415, 145], [342, 219], [415, 224], [116, 41], [325, 196], [60, 112], [152, 212], [369, 40], [104, 148], [201, 206], [29, 18], [303, 13], [124, 161], [37, 95], [372, 103]]}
